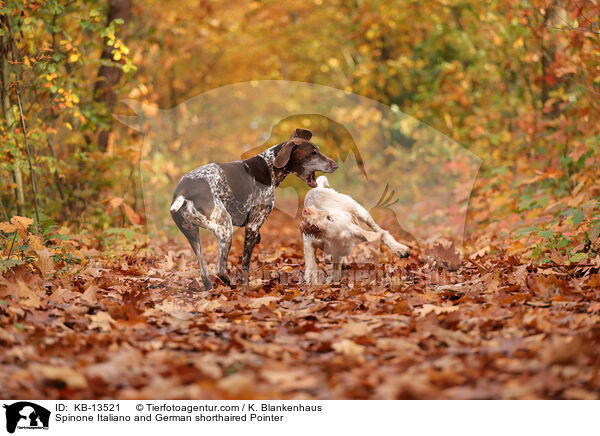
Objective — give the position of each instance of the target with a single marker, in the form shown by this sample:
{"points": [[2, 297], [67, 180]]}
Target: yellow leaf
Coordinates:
{"points": [[73, 57], [36, 243], [518, 43]]}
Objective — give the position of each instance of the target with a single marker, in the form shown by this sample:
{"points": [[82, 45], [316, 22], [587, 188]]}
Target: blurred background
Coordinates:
{"points": [[515, 83]]}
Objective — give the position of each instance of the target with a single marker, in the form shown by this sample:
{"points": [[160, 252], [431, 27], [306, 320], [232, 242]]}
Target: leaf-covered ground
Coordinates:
{"points": [[436, 325]]}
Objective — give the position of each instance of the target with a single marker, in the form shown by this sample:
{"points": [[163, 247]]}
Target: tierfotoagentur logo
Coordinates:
{"points": [[25, 415]]}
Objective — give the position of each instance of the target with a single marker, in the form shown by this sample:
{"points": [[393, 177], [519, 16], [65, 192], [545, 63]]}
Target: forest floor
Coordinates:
{"points": [[142, 327]]}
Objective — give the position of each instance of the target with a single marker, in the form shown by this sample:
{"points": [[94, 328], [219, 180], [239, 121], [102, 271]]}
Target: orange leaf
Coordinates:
{"points": [[133, 217], [115, 202], [21, 223]]}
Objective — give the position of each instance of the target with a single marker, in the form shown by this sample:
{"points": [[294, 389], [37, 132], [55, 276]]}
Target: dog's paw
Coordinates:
{"points": [[401, 250], [224, 277], [312, 278]]}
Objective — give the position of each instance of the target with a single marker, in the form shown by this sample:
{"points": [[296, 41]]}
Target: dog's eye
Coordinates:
{"points": [[329, 218], [314, 152]]}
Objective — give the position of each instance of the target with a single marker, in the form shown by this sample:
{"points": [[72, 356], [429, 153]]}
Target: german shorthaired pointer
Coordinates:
{"points": [[219, 196]]}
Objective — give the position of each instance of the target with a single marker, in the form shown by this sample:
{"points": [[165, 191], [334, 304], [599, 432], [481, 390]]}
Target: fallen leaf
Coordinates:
{"points": [[90, 296], [348, 347], [356, 328], [399, 344], [255, 303], [255, 285], [102, 321], [27, 297], [45, 262], [438, 310], [68, 376], [6, 336]]}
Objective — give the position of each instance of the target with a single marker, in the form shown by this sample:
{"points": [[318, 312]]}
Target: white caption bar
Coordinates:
{"points": [[299, 417]]}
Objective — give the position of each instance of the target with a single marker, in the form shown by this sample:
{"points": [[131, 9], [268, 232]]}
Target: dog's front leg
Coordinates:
{"points": [[251, 239], [311, 268]]}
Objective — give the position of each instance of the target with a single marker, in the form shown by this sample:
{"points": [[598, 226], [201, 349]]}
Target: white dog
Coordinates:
{"points": [[331, 221]]}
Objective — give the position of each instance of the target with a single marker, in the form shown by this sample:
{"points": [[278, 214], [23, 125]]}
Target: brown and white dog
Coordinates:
{"points": [[219, 196], [332, 222]]}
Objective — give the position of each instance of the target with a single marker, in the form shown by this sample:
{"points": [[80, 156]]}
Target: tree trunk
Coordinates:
{"points": [[548, 52], [108, 77], [10, 121]]}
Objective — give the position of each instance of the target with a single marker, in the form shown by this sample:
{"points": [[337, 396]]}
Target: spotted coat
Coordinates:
{"points": [[219, 196]]}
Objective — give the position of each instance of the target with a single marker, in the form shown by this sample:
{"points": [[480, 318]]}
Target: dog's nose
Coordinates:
{"points": [[305, 211], [334, 166]]}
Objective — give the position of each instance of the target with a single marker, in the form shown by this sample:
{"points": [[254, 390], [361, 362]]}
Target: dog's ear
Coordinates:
{"points": [[283, 157], [302, 133]]}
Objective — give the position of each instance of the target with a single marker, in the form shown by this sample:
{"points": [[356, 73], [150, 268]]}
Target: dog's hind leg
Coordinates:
{"points": [[197, 247], [192, 234], [336, 275], [396, 247], [222, 228], [224, 247]]}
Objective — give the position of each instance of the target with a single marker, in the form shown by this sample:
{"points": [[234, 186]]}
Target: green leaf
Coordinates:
{"points": [[577, 257], [576, 216], [526, 231], [6, 264], [546, 234]]}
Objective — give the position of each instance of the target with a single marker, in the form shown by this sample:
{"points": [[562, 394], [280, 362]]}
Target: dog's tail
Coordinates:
{"points": [[177, 203], [322, 182]]}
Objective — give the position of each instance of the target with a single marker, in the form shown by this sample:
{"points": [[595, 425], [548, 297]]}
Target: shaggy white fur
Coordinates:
{"points": [[331, 221]]}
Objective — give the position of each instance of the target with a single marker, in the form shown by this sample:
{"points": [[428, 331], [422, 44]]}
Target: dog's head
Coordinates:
{"points": [[323, 224], [301, 157]]}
